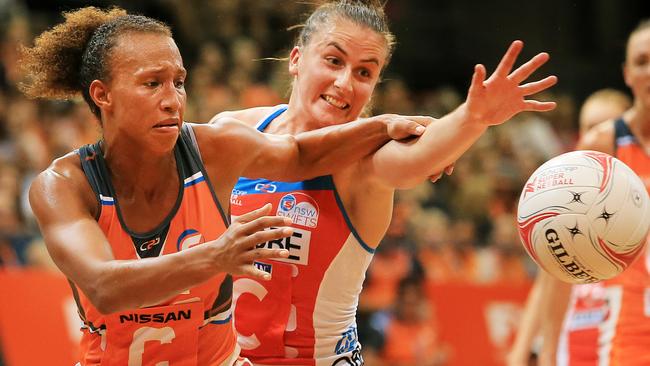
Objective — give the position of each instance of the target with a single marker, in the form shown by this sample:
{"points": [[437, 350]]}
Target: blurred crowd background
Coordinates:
{"points": [[460, 229]]}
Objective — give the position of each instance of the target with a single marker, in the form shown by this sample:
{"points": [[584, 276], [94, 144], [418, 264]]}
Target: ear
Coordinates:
{"points": [[99, 93], [294, 59]]}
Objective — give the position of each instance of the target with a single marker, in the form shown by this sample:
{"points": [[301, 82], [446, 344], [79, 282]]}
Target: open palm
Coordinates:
{"points": [[500, 97]]}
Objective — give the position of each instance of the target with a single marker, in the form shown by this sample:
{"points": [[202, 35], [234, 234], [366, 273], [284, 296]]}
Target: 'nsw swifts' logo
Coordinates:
{"points": [[188, 239], [301, 208]]}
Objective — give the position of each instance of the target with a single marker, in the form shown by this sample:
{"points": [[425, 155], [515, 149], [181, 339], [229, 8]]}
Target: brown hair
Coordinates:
{"points": [[643, 25], [367, 13], [68, 57]]}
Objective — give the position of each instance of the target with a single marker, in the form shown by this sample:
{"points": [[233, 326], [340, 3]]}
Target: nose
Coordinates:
{"points": [[172, 98], [343, 80]]}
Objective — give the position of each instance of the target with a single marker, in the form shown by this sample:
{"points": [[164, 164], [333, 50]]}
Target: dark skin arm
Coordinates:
{"points": [[308, 154], [65, 207]]}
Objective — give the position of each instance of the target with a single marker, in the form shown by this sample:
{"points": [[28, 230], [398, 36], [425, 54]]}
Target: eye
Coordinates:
{"points": [[365, 73], [179, 83], [152, 83], [334, 61]]}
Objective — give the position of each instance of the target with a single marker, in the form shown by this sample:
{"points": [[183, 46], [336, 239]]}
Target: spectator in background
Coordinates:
{"points": [[411, 333], [600, 106]]}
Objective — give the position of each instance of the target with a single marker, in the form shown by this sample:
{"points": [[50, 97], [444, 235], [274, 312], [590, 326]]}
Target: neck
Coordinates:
{"points": [[134, 170], [294, 120], [291, 122]]}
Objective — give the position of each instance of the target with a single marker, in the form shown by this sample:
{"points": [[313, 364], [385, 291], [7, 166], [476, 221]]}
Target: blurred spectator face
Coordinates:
{"points": [[397, 96], [637, 66], [599, 109], [245, 53], [597, 113], [336, 72], [9, 220], [410, 305]]}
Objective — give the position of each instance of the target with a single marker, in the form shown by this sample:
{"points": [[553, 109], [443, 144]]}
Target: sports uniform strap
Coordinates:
{"points": [[261, 125], [621, 128], [95, 172], [191, 156], [191, 163], [622, 134]]}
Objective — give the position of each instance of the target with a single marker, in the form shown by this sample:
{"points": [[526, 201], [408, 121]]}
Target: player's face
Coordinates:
{"points": [[637, 66], [146, 91], [336, 73]]}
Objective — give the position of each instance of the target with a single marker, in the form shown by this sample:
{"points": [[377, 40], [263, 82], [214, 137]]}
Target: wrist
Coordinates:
{"points": [[469, 120], [204, 259]]}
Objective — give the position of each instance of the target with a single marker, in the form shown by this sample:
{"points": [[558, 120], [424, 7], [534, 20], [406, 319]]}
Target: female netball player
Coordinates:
{"points": [[138, 221], [306, 314]]}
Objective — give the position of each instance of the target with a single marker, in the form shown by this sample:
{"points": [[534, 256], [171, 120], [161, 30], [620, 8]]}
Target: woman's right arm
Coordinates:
{"points": [[80, 249]]}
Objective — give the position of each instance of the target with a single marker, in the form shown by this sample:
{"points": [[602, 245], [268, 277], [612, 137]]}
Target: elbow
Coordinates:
{"points": [[104, 307], [104, 298], [102, 301]]}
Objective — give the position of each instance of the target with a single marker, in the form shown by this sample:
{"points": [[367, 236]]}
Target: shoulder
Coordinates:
{"points": [[65, 170], [250, 116], [599, 138], [223, 134], [227, 146], [62, 181]]}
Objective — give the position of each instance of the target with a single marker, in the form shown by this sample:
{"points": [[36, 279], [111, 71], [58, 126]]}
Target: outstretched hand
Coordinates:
{"points": [[500, 97], [238, 245]]}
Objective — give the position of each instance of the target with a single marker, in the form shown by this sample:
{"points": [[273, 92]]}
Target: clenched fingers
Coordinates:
{"points": [[400, 127]]}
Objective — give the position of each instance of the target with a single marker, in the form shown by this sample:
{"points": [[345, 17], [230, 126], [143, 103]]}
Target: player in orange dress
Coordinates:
{"points": [[608, 323], [138, 222]]}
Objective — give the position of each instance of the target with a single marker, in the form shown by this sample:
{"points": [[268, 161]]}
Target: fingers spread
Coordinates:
{"points": [[266, 236], [259, 254], [477, 79], [252, 215], [537, 106], [538, 86], [250, 270], [262, 223], [509, 58], [524, 71]]}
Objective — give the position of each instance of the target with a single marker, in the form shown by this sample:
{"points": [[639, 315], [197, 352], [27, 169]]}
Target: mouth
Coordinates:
{"points": [[335, 102], [168, 124]]}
